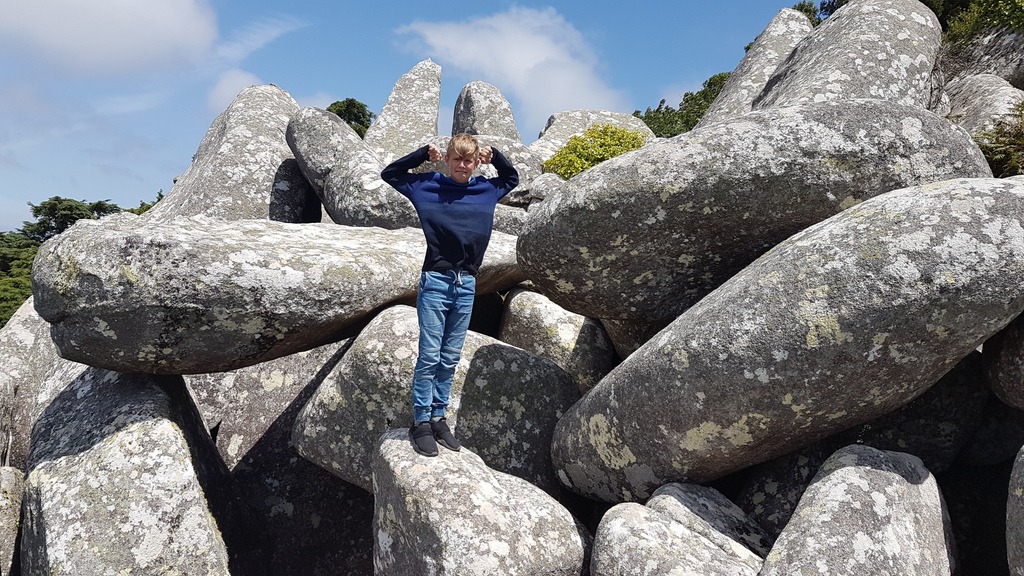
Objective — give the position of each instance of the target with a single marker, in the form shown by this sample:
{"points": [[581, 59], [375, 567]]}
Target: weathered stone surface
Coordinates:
{"points": [[883, 49], [667, 538], [933, 427], [645, 235], [12, 485], [122, 460], [773, 489], [504, 402], [1015, 517], [998, 51], [979, 102], [843, 322], [453, 515], [314, 522], [243, 168], [577, 344], [482, 109], [1004, 364], [709, 513], [564, 125], [409, 117], [31, 374], [759, 63], [867, 512], [318, 138], [244, 292], [535, 190]]}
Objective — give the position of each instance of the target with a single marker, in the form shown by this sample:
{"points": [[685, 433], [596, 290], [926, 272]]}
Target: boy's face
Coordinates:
{"points": [[462, 167]]}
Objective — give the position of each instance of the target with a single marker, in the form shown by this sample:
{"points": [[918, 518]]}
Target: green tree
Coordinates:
{"points": [[695, 104], [666, 121], [596, 144], [808, 9], [354, 113], [16, 255], [144, 206], [58, 214], [982, 14]]}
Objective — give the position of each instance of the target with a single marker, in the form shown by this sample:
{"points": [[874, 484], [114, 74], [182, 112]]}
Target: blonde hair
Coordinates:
{"points": [[463, 145]]}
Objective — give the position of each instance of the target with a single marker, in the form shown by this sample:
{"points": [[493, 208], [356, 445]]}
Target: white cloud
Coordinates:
{"points": [[109, 37], [533, 56], [227, 87], [255, 36]]}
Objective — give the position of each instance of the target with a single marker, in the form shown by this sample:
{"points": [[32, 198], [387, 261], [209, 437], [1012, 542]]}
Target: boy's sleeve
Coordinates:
{"points": [[397, 173], [508, 177]]}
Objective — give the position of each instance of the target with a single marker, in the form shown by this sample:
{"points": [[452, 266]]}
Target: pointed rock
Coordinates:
{"points": [[243, 168], [761, 60], [504, 403], [409, 117], [843, 322], [884, 49], [195, 295], [318, 139], [481, 109], [645, 235], [453, 515]]}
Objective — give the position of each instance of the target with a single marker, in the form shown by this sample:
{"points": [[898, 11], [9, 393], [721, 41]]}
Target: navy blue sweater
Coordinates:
{"points": [[456, 218]]}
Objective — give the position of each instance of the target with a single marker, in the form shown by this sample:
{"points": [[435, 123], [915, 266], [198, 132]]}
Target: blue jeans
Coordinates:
{"points": [[444, 304]]}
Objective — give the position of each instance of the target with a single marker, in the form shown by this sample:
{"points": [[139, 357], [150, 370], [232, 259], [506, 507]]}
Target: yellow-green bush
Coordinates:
{"points": [[596, 144], [1003, 145]]}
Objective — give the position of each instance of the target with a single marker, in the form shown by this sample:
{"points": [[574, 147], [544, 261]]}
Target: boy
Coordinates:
{"points": [[456, 214]]}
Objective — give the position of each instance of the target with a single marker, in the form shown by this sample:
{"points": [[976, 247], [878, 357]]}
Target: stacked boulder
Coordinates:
{"points": [[748, 349]]}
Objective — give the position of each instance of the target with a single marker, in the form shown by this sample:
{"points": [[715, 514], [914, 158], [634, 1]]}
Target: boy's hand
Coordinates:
{"points": [[485, 154], [433, 153]]}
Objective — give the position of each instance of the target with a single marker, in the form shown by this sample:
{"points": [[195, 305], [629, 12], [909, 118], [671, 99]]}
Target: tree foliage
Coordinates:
{"points": [[57, 214], [354, 113], [596, 144], [982, 14], [666, 121], [808, 9]]}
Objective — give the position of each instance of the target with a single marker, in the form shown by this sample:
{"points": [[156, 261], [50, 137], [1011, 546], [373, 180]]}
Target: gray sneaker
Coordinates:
{"points": [[423, 439], [443, 435]]}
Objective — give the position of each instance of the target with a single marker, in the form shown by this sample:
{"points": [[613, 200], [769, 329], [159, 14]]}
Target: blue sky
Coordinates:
{"points": [[109, 99]]}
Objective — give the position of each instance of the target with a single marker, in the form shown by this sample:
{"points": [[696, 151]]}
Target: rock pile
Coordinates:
{"points": [[752, 348]]}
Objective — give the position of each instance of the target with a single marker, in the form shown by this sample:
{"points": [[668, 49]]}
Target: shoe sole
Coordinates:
{"points": [[445, 444]]}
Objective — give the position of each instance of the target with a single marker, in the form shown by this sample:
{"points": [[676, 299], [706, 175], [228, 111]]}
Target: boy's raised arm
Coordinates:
{"points": [[506, 171], [395, 172]]}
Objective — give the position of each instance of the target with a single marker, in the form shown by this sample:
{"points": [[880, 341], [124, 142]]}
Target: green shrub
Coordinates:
{"points": [[1003, 145], [596, 144]]}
